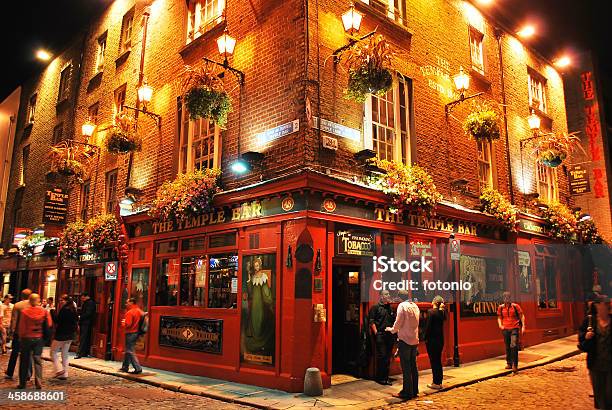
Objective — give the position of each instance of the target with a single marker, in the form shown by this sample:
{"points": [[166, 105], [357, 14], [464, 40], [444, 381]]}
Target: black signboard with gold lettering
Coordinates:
{"points": [[579, 180], [355, 243], [203, 335], [55, 207]]}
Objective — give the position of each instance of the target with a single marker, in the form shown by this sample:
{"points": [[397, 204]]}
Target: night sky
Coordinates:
{"points": [[27, 25]]}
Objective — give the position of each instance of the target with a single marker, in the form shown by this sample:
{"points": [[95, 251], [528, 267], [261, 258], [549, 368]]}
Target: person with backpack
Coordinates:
{"points": [[511, 321], [134, 324], [66, 322]]}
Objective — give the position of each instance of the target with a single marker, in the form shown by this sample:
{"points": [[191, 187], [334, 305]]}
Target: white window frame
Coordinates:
{"points": [[546, 183], [477, 49], [120, 97], [186, 143], [127, 28], [64, 83], [202, 15], [397, 14], [32, 108], [485, 164], [369, 121], [111, 189], [25, 159], [537, 91], [84, 200], [100, 54]]}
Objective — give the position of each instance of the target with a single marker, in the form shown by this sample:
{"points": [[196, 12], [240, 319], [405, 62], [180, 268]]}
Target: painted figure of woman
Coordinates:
{"points": [[260, 325]]}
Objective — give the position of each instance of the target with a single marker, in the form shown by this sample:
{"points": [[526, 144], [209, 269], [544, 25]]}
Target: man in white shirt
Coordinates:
{"points": [[407, 328], [6, 311]]}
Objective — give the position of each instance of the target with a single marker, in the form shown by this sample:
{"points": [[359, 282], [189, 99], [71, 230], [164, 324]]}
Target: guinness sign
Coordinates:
{"points": [[203, 335]]}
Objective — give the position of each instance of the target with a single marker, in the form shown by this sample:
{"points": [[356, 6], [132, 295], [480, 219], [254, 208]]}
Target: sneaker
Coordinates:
{"points": [[7, 377], [136, 372], [515, 369], [508, 367], [434, 386], [122, 370]]}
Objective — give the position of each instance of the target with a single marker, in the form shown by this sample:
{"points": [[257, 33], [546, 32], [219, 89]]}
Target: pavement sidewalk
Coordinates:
{"points": [[346, 391]]}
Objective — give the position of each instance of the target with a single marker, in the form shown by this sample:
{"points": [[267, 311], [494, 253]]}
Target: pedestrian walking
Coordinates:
{"points": [[15, 344], [6, 311], [66, 323], [86, 320], [381, 316], [511, 321], [595, 338], [131, 324], [34, 327], [434, 340], [406, 327]]}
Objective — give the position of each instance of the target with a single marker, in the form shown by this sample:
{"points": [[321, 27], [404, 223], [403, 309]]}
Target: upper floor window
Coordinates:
{"points": [[64, 85], [111, 191], [537, 91], [547, 183], [25, 156], [394, 9], [101, 53], [92, 112], [387, 122], [485, 164], [200, 144], [203, 15], [476, 50], [120, 98], [127, 26], [58, 133], [31, 108], [84, 202]]}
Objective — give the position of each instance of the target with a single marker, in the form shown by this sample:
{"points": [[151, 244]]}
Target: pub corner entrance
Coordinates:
{"points": [[348, 314]]}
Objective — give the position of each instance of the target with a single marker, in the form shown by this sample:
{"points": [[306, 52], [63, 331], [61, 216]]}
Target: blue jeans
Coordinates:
{"points": [[129, 356], [30, 349], [511, 339]]}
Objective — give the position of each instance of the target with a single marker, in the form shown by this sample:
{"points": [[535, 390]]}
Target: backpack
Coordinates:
{"points": [[143, 324]]}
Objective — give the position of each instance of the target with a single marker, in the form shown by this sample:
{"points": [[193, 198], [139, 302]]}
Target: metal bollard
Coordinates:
{"points": [[313, 385]]}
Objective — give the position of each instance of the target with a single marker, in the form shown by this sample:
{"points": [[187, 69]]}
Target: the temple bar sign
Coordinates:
{"points": [[579, 180], [55, 207]]}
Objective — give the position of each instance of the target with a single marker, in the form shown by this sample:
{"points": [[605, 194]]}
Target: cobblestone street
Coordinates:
{"points": [[86, 389], [563, 384]]}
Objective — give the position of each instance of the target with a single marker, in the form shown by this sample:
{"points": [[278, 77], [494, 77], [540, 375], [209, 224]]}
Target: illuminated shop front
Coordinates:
{"points": [[276, 280]]}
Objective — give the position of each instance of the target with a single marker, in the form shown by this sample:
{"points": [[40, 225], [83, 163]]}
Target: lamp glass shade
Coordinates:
{"points": [[352, 20], [462, 80], [226, 44], [87, 129], [240, 166], [534, 121], [145, 93]]}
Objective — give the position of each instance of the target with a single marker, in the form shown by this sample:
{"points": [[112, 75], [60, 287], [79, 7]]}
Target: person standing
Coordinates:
{"points": [[65, 331], [131, 324], [15, 347], [595, 338], [6, 310], [406, 327], [434, 340], [381, 317], [33, 321], [511, 321], [86, 320]]}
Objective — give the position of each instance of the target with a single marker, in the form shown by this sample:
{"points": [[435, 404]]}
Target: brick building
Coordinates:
{"points": [[285, 222]]}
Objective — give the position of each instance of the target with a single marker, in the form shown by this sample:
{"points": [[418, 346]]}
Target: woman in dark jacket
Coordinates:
{"points": [[65, 332], [434, 340], [595, 338]]}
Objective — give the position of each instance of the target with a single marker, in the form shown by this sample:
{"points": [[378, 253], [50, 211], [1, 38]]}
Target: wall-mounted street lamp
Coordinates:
{"points": [[88, 128], [462, 84], [246, 162], [351, 20], [226, 45], [145, 94], [534, 122]]}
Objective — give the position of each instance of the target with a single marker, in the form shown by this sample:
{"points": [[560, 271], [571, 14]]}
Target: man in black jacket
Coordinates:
{"points": [[380, 317], [86, 320]]}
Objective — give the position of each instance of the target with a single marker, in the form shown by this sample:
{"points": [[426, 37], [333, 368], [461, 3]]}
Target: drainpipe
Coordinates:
{"points": [[499, 34]]}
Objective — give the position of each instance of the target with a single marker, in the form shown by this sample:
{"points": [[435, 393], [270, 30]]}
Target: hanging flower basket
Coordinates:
{"points": [[122, 137], [562, 223], [368, 66], [553, 149], [68, 167], [190, 194], [102, 231], [483, 124], [72, 238], [495, 204], [409, 185], [205, 96], [27, 244], [588, 232]]}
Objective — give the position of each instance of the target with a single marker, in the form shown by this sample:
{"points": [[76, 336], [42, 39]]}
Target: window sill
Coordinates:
{"points": [[189, 48], [379, 15], [544, 117], [122, 58], [95, 81], [480, 77], [61, 104]]}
